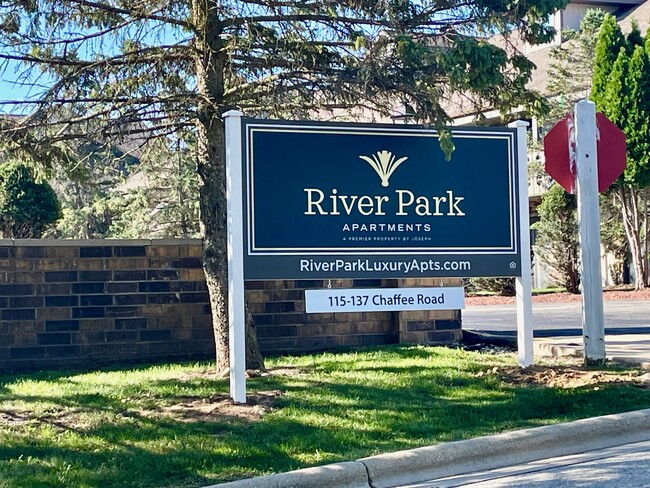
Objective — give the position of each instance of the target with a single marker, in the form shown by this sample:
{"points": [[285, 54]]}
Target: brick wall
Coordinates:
{"points": [[278, 308], [88, 302], [82, 303]]}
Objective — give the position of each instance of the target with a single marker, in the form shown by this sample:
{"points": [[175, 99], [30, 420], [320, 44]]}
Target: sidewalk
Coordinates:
{"points": [[558, 331], [622, 348], [628, 348]]}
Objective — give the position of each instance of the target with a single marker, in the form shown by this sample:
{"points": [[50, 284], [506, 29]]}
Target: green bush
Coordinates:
{"points": [[500, 286], [27, 207], [557, 237]]}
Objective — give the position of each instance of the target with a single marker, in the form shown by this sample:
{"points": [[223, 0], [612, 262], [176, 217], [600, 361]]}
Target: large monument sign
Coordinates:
{"points": [[378, 201], [323, 200]]}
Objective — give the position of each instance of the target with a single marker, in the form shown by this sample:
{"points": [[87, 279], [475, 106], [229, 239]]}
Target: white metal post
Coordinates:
{"points": [[236, 304], [593, 322], [523, 283]]}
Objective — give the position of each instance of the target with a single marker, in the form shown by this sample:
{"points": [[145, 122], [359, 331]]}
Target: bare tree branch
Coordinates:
{"points": [[136, 13]]}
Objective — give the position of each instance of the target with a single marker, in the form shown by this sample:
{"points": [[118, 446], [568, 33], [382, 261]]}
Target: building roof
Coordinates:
{"points": [[541, 57], [641, 14]]}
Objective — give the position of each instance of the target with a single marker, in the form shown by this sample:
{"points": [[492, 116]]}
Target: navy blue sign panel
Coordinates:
{"points": [[378, 201]]}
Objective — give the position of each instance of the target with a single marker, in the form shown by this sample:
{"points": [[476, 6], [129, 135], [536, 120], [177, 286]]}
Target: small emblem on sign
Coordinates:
{"points": [[513, 265], [384, 163]]}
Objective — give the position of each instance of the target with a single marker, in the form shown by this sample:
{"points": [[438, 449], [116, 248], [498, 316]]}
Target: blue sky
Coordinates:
{"points": [[13, 87], [10, 89]]}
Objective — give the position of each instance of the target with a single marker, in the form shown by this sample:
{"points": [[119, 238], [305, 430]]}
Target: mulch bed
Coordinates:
{"points": [[609, 294]]}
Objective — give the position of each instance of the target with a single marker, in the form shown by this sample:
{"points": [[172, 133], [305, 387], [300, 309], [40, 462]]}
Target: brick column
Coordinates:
{"points": [[429, 326]]}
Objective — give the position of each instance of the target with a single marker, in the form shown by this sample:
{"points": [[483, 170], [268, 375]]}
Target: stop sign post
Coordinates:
{"points": [[585, 152], [593, 320]]}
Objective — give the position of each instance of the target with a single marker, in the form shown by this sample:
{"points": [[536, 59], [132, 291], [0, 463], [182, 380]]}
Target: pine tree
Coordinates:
{"points": [[557, 240], [610, 41], [616, 98], [572, 66], [624, 99], [637, 172], [634, 37], [151, 68], [637, 127]]}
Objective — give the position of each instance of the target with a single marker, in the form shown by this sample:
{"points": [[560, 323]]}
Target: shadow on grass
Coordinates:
{"points": [[351, 411], [140, 453]]}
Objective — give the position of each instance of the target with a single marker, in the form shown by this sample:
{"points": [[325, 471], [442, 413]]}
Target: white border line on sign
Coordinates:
{"points": [[253, 250]]}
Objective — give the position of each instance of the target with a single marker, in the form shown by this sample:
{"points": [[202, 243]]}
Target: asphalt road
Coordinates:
{"points": [[549, 319], [621, 466]]}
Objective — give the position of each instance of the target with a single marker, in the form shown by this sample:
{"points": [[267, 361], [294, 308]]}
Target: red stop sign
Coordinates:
{"points": [[611, 152], [559, 145], [559, 152]]}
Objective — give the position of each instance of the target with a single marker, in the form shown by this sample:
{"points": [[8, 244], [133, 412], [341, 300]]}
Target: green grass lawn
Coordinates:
{"points": [[122, 428]]}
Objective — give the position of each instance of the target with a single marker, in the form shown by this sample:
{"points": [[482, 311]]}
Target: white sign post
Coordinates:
{"points": [[593, 322], [523, 282], [236, 303]]}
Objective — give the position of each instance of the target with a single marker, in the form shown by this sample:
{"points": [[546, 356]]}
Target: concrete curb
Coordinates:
{"points": [[644, 365], [506, 449], [350, 474], [556, 350], [462, 457]]}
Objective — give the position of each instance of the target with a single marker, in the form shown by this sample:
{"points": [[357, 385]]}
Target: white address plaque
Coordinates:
{"points": [[384, 299]]}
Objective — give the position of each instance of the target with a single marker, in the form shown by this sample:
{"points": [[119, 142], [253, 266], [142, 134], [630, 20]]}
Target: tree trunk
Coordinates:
{"points": [[568, 268], [211, 167], [629, 209]]}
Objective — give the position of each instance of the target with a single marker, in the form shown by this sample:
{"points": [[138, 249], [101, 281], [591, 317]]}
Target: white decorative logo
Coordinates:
{"points": [[384, 163], [513, 265]]}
